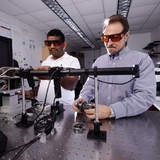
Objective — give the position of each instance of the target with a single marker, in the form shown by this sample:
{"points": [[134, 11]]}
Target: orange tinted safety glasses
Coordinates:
{"points": [[56, 43], [113, 37]]}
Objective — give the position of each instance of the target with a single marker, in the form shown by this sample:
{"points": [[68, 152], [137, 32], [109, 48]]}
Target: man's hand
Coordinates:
{"points": [[103, 112], [28, 93], [74, 104]]}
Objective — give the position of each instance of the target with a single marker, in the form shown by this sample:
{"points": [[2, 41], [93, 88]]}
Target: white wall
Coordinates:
{"points": [[103, 50], [139, 41], [90, 56], [39, 36], [155, 36]]}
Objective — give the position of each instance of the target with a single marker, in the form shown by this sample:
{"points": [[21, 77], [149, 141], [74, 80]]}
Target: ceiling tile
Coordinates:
{"points": [[10, 8], [110, 6], [29, 5], [133, 31], [157, 9], [150, 25], [65, 2], [108, 14], [41, 26], [27, 18], [135, 27], [56, 24], [45, 15], [138, 3], [79, 20], [137, 20], [94, 4], [154, 18], [141, 11], [67, 30], [95, 26], [96, 32], [94, 18], [72, 11], [146, 30], [78, 1]]}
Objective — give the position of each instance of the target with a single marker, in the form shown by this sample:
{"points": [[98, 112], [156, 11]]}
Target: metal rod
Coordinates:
{"points": [[134, 70], [96, 98], [23, 97]]}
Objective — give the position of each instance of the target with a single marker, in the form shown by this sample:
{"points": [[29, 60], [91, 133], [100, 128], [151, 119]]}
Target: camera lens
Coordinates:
{"points": [[81, 105]]}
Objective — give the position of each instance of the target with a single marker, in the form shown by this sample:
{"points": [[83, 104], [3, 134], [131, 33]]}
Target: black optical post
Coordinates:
{"points": [[55, 74], [24, 121], [25, 74]]}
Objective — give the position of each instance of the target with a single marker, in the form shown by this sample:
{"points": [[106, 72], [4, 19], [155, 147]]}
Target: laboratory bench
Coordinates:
{"points": [[132, 138]]}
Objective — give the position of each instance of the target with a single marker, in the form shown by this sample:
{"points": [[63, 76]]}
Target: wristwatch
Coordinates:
{"points": [[113, 115]]}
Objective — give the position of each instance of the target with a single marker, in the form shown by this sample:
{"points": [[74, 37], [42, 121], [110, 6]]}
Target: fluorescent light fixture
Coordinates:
{"points": [[62, 14], [123, 7]]}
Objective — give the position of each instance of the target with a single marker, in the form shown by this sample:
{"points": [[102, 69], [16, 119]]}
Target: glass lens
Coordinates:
{"points": [[116, 38], [104, 38], [56, 43]]}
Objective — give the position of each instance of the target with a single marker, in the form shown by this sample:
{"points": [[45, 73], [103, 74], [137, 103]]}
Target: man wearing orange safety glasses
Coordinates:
{"points": [[58, 58], [119, 95]]}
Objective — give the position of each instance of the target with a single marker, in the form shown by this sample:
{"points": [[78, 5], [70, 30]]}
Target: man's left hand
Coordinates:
{"points": [[103, 112]]}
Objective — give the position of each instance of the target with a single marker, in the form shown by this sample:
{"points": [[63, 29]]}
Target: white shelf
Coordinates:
{"points": [[12, 91]]}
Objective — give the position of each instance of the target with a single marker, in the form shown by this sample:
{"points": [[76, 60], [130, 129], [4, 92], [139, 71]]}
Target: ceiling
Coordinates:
{"points": [[144, 16]]}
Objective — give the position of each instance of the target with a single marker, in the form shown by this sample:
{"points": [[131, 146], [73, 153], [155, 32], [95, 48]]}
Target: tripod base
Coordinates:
{"points": [[101, 136], [24, 123], [97, 133]]}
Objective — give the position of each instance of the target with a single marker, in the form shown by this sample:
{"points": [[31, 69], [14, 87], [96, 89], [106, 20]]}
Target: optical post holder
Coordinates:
{"points": [[96, 133]]}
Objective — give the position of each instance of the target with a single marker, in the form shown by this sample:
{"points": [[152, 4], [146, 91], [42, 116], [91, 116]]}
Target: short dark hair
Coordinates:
{"points": [[117, 18], [56, 32]]}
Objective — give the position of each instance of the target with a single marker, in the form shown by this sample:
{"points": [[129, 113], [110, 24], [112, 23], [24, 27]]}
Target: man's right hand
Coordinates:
{"points": [[75, 103], [28, 94]]}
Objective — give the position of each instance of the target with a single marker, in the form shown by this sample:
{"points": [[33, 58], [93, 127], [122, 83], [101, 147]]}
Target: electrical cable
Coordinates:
{"points": [[26, 146], [2, 75], [23, 146], [45, 97], [116, 83], [46, 123]]}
